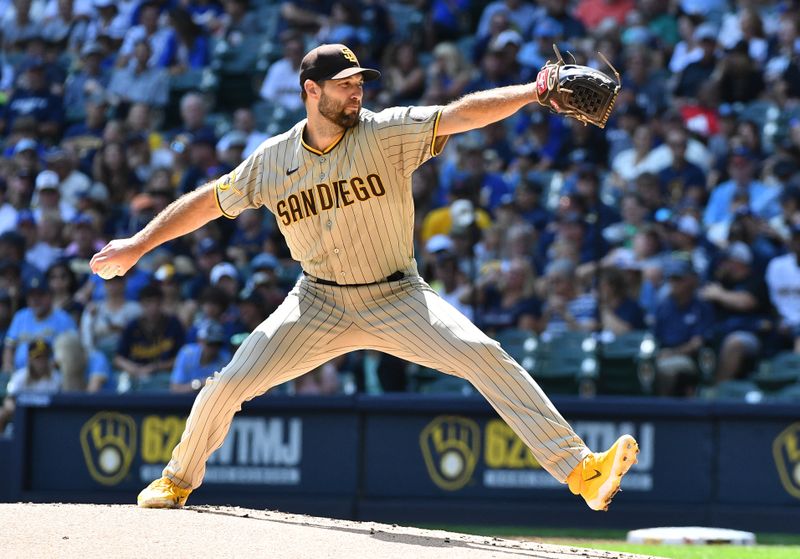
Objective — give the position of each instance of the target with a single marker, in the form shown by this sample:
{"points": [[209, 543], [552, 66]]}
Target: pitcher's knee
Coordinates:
{"points": [[480, 343], [482, 355]]}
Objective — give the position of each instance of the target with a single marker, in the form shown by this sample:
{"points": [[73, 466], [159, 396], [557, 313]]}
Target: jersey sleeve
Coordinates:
{"points": [[240, 189], [407, 135]]}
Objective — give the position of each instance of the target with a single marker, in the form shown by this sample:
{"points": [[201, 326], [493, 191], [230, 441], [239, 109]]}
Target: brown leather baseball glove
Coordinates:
{"points": [[581, 92]]}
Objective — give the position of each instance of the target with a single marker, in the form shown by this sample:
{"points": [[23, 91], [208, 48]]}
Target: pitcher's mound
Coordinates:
{"points": [[70, 531]]}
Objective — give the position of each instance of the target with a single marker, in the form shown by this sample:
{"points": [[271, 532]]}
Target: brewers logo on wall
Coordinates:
{"points": [[450, 446], [108, 441], [786, 451]]}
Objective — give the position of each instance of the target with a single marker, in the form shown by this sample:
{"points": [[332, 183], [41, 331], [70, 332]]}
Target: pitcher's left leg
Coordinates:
{"points": [[414, 323]]}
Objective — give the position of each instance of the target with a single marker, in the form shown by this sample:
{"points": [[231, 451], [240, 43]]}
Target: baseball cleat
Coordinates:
{"points": [[598, 476], [162, 494]]}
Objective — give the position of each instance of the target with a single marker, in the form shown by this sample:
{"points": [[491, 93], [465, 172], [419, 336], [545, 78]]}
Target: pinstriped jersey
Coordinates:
{"points": [[347, 212]]}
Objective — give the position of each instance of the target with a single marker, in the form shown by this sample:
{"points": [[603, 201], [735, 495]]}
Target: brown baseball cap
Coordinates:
{"points": [[38, 348], [333, 62]]}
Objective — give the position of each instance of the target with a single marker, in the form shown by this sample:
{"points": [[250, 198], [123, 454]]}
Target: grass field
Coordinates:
{"points": [[770, 546]]}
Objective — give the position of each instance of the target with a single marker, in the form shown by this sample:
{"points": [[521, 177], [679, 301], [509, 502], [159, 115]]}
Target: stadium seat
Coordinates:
{"points": [[190, 80], [236, 68], [517, 343], [424, 380], [560, 363], [242, 57], [419, 377], [282, 120], [157, 382], [626, 364], [781, 371], [787, 394], [743, 390], [447, 384]]}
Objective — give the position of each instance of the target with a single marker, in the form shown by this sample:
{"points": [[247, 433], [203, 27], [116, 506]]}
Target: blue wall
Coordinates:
{"points": [[418, 459]]}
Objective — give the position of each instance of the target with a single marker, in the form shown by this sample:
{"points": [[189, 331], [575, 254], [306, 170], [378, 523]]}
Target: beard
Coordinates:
{"points": [[335, 112]]}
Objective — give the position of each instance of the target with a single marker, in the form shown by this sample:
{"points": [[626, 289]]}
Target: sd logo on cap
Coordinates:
{"points": [[333, 62]]}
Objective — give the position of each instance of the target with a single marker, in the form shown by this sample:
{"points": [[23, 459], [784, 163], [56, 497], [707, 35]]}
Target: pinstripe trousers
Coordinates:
{"points": [[405, 318]]}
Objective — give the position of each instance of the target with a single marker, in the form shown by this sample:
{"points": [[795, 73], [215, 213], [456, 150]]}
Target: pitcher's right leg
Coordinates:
{"points": [[292, 341]]}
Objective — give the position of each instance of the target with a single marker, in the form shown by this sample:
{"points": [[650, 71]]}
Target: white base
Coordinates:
{"points": [[691, 535]]}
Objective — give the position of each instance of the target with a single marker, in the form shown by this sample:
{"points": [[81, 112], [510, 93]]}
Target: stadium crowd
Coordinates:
{"points": [[681, 218]]}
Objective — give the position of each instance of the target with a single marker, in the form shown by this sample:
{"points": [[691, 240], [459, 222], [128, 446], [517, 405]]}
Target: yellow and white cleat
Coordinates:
{"points": [[162, 494], [598, 476]]}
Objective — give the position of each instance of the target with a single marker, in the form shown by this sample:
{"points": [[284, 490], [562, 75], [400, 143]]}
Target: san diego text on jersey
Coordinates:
{"points": [[325, 196]]}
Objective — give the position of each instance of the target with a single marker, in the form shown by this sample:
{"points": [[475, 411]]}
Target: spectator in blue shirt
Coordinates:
{"points": [[150, 31], [683, 323], [599, 214], [749, 229], [507, 298], [764, 200], [38, 320], [529, 203], [187, 47], [208, 253], [83, 369], [197, 361], [699, 72], [12, 249], [89, 81], [35, 100], [538, 136], [619, 313], [497, 70], [248, 237], [681, 175], [535, 53], [522, 14], [685, 235], [140, 81], [193, 119], [215, 306], [446, 18], [86, 136], [566, 309], [560, 11], [571, 226], [471, 169], [741, 306], [149, 343], [205, 13]]}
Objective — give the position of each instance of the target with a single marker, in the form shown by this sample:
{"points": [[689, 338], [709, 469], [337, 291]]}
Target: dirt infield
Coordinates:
{"points": [[67, 531]]}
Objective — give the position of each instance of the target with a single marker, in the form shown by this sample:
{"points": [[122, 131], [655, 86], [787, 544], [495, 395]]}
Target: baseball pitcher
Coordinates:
{"points": [[339, 184]]}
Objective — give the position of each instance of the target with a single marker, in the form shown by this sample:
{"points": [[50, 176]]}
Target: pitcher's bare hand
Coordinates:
{"points": [[116, 258]]}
